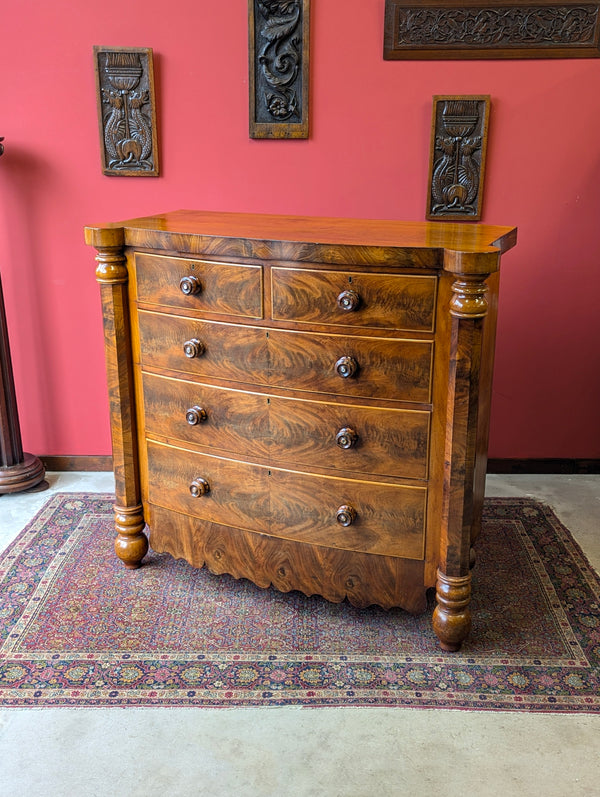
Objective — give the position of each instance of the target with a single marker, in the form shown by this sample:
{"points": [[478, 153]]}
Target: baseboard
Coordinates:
{"points": [[565, 466], [104, 463], [84, 463]]}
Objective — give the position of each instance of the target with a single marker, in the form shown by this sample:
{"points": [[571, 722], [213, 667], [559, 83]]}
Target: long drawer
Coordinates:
{"points": [[203, 285], [371, 517], [378, 301], [387, 442], [388, 368]]}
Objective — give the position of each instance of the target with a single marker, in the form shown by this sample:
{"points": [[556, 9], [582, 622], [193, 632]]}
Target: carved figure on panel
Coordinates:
{"points": [[457, 161], [126, 111], [278, 33], [493, 29], [279, 57]]}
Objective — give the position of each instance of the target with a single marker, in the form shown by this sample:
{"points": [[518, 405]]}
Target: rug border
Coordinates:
{"points": [[359, 698]]}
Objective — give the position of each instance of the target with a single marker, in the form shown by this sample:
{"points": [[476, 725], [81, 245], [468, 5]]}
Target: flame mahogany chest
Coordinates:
{"points": [[304, 402]]}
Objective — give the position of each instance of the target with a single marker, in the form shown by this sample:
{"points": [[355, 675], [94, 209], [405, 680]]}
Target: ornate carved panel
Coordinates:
{"points": [[457, 160], [126, 111], [278, 33], [446, 29]]}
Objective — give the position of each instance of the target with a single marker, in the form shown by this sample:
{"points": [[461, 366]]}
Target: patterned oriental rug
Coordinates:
{"points": [[78, 629]]}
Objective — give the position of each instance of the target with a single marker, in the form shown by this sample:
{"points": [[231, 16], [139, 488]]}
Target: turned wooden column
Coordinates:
{"points": [[18, 471], [468, 309], [131, 543]]}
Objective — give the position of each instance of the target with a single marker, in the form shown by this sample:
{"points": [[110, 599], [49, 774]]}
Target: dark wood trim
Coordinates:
{"points": [[278, 48], [124, 79], [19, 471], [462, 29], [83, 463], [565, 466], [104, 463], [458, 145]]}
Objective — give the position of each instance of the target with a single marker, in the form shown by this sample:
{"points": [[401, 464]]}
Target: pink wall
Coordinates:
{"points": [[367, 156]]}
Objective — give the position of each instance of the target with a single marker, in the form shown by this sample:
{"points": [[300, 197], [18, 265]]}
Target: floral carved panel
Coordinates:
{"points": [[457, 160], [455, 29], [278, 36], [126, 111]]}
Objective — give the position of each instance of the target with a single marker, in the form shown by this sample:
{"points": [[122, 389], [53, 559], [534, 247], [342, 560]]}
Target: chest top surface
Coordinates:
{"points": [[305, 238]]}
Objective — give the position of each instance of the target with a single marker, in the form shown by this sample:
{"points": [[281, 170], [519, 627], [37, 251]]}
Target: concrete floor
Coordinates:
{"points": [[299, 752]]}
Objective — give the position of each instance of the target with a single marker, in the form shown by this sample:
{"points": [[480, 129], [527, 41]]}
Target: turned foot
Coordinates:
{"points": [[131, 544], [452, 615]]}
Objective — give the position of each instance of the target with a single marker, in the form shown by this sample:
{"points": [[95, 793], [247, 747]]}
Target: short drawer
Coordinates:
{"points": [[384, 442], [370, 517], [389, 368], [378, 301], [203, 285]]}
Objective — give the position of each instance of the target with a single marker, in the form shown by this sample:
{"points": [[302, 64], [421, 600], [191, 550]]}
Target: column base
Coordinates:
{"points": [[26, 475]]}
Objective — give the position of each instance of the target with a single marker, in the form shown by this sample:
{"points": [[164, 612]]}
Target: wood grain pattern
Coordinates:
{"points": [[468, 308], [452, 615], [391, 442], [308, 239], [291, 505], [486, 373], [131, 543], [395, 369], [231, 352], [224, 287], [387, 368], [437, 443], [273, 497], [385, 301], [288, 565]]}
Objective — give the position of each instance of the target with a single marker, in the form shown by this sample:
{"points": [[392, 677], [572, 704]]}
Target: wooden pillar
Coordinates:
{"points": [[18, 471], [468, 308], [131, 543]]}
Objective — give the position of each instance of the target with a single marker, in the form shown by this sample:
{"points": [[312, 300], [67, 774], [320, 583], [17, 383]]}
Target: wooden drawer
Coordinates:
{"points": [[306, 433], [225, 288], [379, 301], [388, 368], [389, 519]]}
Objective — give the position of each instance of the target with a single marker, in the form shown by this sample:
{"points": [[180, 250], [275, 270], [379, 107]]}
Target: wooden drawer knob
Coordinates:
{"points": [[346, 515], [346, 367], [199, 487], [348, 301], [193, 348], [346, 437], [196, 415], [190, 285]]}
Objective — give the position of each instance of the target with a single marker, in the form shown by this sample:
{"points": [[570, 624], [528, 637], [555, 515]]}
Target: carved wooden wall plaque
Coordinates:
{"points": [[278, 35], [457, 160], [126, 111], [458, 29]]}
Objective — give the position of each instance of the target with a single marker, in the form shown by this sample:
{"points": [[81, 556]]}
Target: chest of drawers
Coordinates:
{"points": [[303, 402]]}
